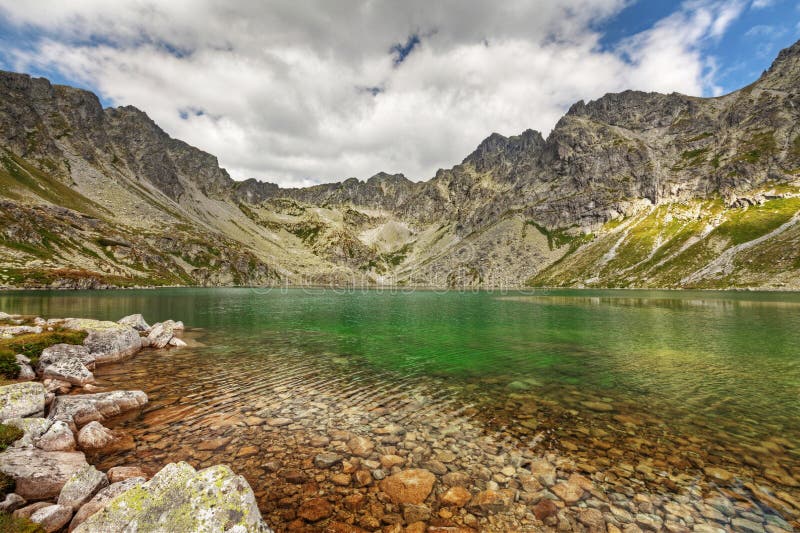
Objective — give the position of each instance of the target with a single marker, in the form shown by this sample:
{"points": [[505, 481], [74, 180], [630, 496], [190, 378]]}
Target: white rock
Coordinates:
{"points": [[161, 333], [52, 518], [99, 502], [113, 345], [21, 400], [39, 474], [10, 331], [135, 321], [62, 351], [26, 373], [94, 436], [79, 409], [177, 343], [69, 369], [57, 438], [81, 487]]}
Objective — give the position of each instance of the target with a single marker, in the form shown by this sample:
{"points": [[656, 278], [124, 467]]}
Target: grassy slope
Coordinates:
{"points": [[41, 245], [666, 246]]}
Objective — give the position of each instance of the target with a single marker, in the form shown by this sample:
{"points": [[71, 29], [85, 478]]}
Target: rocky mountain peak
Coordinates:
{"points": [[784, 73]]}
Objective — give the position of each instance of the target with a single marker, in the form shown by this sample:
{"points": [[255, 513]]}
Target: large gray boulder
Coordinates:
{"points": [[21, 400], [179, 498], [39, 474], [80, 409], [107, 341], [69, 369], [57, 352], [113, 345], [81, 487], [136, 321], [99, 502]]}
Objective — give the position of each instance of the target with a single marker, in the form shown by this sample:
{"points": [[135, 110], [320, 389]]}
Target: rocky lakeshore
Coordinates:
{"points": [[327, 446], [326, 453], [52, 415]]}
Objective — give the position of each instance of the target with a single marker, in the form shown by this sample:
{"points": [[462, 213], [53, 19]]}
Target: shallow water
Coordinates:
{"points": [[577, 372]]}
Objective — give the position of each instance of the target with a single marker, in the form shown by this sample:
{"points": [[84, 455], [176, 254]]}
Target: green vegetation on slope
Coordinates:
{"points": [[664, 247]]}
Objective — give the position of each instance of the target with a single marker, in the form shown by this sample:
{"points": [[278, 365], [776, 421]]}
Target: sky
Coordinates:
{"points": [[315, 91]]}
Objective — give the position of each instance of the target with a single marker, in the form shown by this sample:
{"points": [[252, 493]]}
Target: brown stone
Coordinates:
{"points": [[121, 473], [592, 519], [315, 509], [354, 501], [456, 497], [341, 527], [416, 527], [543, 471], [568, 491], [248, 451], [545, 508], [598, 406], [27, 511], [719, 475], [361, 446], [341, 479], [214, 444], [293, 475], [279, 422], [491, 501], [363, 477], [388, 461], [409, 486]]}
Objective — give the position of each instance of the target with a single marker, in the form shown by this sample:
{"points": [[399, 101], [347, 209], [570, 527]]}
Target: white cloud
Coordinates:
{"points": [[283, 86], [761, 4]]}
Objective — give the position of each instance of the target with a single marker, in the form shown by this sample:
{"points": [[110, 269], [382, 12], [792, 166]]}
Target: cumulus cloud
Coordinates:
{"points": [[300, 93]]}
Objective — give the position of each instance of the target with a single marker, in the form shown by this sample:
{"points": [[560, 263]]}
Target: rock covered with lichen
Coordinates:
{"points": [[180, 498], [107, 341], [21, 400]]}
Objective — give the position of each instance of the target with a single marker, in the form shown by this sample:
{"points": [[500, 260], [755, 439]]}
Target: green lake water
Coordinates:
{"points": [[735, 357], [674, 381]]}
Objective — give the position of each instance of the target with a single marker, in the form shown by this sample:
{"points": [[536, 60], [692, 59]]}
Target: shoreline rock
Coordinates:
{"points": [[44, 465]]}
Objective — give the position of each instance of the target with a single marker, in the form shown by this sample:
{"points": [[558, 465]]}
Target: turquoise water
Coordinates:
{"points": [[733, 357], [672, 382]]}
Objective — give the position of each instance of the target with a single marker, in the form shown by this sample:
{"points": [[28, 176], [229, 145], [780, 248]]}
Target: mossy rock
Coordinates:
{"points": [[13, 524], [31, 345], [9, 434]]}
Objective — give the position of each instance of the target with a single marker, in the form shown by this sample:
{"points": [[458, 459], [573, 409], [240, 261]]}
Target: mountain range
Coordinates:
{"points": [[631, 190]]}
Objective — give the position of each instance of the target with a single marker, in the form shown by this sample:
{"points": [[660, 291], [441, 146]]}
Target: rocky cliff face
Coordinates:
{"points": [[633, 189]]}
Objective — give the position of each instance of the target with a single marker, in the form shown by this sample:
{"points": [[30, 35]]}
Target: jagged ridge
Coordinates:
{"points": [[595, 203]]}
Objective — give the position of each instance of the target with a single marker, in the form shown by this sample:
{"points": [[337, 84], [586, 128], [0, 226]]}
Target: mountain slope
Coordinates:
{"points": [[631, 190]]}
